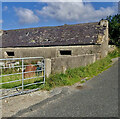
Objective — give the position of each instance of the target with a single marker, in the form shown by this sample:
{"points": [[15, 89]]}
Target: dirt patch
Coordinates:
{"points": [[79, 87], [12, 105]]}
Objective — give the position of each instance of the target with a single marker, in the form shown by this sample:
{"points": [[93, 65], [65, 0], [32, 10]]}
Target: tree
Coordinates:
{"points": [[114, 29]]}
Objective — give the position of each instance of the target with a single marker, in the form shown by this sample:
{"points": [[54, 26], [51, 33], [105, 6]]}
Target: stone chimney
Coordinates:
{"points": [[104, 23], [104, 39], [1, 32]]}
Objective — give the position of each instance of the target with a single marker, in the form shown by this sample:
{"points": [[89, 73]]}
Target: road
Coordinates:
{"points": [[97, 98]]}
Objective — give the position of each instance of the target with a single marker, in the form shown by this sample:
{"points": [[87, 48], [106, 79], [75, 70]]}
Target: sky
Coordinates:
{"points": [[19, 15]]}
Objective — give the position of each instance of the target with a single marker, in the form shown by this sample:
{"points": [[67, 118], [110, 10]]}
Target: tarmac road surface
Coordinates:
{"points": [[97, 98]]}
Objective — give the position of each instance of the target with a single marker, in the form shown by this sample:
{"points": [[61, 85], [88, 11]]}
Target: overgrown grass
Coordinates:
{"points": [[71, 76], [115, 53], [75, 75]]}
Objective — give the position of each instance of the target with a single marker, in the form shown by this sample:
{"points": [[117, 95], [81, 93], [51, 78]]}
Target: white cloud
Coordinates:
{"points": [[5, 8], [26, 16], [1, 21], [75, 12]]}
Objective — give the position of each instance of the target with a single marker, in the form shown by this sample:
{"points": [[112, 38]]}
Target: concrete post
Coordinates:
{"points": [[47, 67]]}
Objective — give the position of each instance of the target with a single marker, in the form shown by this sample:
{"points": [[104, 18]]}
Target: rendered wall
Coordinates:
{"points": [[60, 64], [51, 52]]}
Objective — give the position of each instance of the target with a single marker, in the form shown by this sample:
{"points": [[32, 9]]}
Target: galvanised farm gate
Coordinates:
{"points": [[21, 75]]}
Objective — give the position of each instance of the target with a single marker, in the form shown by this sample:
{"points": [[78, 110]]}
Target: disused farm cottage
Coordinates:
{"points": [[63, 47]]}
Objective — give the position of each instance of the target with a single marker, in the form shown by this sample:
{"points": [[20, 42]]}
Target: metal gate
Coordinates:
{"points": [[21, 75]]}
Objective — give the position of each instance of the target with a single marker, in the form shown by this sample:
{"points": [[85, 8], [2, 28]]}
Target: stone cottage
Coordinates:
{"points": [[63, 47]]}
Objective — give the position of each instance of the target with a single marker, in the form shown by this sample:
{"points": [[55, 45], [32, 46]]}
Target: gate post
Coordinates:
{"points": [[47, 67]]}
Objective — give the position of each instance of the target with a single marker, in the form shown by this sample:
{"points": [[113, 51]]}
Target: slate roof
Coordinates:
{"points": [[78, 34]]}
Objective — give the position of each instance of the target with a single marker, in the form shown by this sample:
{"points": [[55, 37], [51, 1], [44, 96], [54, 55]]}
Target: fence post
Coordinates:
{"points": [[22, 75], [47, 64]]}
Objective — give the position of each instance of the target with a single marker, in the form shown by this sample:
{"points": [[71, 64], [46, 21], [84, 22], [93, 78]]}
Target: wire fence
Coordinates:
{"points": [[21, 75]]}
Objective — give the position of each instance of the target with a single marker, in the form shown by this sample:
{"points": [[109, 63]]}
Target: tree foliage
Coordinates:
{"points": [[114, 29]]}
